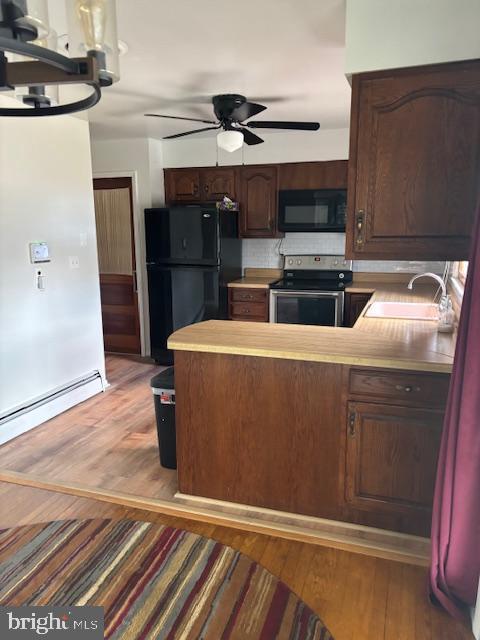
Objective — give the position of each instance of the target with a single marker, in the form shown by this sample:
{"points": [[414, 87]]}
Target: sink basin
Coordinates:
{"points": [[403, 310]]}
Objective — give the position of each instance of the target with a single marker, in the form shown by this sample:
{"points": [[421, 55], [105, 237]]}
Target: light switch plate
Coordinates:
{"points": [[39, 252]]}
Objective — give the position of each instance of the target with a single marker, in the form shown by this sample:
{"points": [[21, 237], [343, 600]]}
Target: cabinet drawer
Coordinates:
{"points": [[249, 295], [248, 310], [410, 387]]}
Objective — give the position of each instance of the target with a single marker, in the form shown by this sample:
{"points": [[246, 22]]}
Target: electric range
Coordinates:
{"points": [[311, 290]]}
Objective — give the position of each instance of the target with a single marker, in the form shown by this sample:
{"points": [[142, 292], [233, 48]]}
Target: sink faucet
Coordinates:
{"points": [[430, 275]]}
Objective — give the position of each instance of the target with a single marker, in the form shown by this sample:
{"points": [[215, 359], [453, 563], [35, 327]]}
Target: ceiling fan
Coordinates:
{"points": [[231, 111]]}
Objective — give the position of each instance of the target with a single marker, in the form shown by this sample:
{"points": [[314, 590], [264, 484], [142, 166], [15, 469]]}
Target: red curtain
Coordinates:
{"points": [[455, 566]]}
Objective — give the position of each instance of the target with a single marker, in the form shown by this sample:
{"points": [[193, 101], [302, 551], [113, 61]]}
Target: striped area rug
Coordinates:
{"points": [[154, 582]]}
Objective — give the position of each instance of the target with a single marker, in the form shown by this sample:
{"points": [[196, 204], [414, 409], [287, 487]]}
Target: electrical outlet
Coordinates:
{"points": [[83, 239], [73, 262]]}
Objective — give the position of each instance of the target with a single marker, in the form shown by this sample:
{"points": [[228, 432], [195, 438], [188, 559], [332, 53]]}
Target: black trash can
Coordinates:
{"points": [[163, 387]]}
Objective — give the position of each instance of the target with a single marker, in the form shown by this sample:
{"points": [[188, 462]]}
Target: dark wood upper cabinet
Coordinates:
{"points": [[313, 175], [258, 197], [414, 168], [217, 183], [182, 185], [255, 187], [200, 185]]}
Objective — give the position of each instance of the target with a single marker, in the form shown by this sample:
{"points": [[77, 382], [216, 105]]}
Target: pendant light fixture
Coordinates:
{"points": [[93, 53]]}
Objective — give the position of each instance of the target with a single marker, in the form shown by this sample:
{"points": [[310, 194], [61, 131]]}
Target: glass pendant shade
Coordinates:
{"points": [[37, 16], [230, 140], [92, 26]]}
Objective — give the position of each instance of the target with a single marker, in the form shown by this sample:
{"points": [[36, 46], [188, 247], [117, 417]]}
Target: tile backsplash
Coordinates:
{"points": [[267, 253]]}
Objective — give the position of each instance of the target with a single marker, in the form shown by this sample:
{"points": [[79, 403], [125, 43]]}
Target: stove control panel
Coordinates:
{"points": [[319, 263]]}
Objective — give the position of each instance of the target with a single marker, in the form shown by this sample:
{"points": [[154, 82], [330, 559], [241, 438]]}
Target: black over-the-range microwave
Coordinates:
{"points": [[312, 210]]}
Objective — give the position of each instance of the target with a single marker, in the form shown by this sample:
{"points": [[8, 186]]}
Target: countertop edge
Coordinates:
{"points": [[363, 361], [246, 285]]}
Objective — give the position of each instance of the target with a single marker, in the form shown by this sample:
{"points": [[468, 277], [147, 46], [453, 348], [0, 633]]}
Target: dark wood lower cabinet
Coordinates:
{"points": [[391, 460], [259, 431], [249, 305], [310, 438], [355, 303]]}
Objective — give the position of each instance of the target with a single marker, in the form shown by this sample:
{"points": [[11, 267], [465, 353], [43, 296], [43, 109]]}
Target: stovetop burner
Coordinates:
{"points": [[296, 284]]}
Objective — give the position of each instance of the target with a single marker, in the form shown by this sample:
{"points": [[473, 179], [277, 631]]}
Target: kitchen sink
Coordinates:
{"points": [[403, 310]]}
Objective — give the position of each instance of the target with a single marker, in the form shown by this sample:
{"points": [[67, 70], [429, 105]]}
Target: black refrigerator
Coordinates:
{"points": [[192, 253]]}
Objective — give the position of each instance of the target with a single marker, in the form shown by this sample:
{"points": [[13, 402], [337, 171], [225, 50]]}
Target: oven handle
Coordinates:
{"points": [[274, 293]]}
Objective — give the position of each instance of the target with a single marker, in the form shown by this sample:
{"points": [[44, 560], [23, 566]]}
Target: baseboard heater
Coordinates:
{"points": [[38, 410]]}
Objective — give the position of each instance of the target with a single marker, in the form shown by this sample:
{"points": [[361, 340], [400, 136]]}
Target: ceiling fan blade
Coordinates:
{"points": [[274, 124], [158, 115], [249, 137], [247, 110], [269, 99], [187, 133]]}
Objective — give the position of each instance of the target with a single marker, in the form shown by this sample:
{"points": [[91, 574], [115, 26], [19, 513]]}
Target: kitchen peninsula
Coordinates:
{"points": [[338, 423]]}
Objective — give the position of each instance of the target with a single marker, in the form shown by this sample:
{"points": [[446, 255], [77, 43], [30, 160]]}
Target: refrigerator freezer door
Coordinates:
{"points": [[182, 235], [179, 296]]}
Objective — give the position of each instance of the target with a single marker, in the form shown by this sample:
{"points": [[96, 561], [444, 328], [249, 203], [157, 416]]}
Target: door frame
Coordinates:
{"points": [[140, 254]]}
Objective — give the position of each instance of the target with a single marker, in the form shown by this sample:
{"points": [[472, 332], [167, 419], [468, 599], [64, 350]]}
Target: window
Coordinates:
{"points": [[459, 272], [457, 281], [462, 271]]}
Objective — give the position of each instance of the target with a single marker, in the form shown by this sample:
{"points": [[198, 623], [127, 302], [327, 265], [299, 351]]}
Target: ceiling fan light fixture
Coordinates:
{"points": [[230, 140]]}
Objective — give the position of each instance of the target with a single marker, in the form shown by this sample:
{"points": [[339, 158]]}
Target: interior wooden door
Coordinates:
{"points": [[116, 259]]}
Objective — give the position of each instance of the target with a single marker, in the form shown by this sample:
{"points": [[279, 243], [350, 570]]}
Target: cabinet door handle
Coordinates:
{"points": [[246, 310], [407, 388], [351, 425], [206, 188], [360, 223]]}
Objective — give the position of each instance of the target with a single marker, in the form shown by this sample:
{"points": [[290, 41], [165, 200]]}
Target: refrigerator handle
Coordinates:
{"points": [[184, 244]]}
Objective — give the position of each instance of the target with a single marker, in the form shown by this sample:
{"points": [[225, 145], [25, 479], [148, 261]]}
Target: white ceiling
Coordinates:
{"points": [[181, 50]]}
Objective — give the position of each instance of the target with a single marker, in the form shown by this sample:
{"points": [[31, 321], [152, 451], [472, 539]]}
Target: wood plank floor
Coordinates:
{"points": [[358, 598], [109, 443]]}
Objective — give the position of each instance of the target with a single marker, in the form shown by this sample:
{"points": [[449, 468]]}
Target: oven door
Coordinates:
{"points": [[322, 308]]}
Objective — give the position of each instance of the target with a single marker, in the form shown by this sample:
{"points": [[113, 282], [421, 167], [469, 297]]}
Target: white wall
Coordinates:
{"points": [[384, 34], [49, 338], [140, 158], [298, 146]]}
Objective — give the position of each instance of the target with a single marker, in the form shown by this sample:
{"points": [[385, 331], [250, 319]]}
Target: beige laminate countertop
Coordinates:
{"points": [[375, 342]]}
